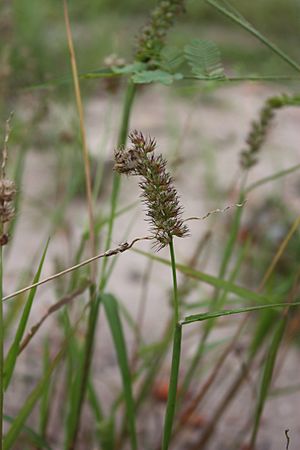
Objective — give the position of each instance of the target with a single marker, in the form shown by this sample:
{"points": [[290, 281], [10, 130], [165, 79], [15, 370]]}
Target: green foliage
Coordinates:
{"points": [[112, 314], [171, 58], [204, 58], [267, 375], [13, 352], [156, 76]]}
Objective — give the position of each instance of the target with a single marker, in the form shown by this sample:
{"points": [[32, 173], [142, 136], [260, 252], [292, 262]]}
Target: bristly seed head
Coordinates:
{"points": [[152, 37], [260, 127], [164, 211], [7, 190]]}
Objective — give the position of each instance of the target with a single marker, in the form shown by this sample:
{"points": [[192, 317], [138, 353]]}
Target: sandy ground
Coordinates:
{"points": [[205, 136]]}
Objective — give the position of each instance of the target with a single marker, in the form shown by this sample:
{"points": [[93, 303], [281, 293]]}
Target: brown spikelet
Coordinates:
{"points": [[163, 209], [260, 127], [7, 191], [151, 39]]}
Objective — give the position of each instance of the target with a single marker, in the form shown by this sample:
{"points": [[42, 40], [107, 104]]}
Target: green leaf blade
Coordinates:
{"points": [[267, 376], [112, 313], [13, 352]]}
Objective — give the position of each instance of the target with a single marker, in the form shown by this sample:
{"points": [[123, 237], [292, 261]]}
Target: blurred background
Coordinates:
{"points": [[33, 42]]}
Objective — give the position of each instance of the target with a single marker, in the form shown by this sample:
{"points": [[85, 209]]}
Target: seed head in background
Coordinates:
{"points": [[260, 127], [7, 190], [151, 38], [163, 209]]}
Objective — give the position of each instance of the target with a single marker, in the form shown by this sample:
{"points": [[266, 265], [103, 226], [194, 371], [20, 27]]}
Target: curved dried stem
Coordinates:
{"points": [[115, 251]]}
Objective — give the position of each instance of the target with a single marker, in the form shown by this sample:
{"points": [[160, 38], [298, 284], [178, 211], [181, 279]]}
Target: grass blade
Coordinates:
{"points": [[45, 400], [29, 404], [33, 437], [247, 26], [1, 348], [232, 288], [267, 376], [112, 314], [81, 378], [229, 312], [13, 352], [270, 178]]}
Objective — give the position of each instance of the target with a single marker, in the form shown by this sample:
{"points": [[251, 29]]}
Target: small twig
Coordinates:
{"points": [[216, 211], [120, 249], [286, 432]]}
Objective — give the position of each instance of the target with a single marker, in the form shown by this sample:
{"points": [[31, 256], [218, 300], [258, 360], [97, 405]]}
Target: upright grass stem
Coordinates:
{"points": [[95, 303], [175, 287], [1, 348], [177, 335], [127, 108], [247, 26]]}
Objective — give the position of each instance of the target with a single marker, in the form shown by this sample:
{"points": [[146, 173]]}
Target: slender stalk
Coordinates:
{"points": [[270, 178], [127, 108], [175, 288], [88, 178], [177, 335], [84, 369], [1, 349], [275, 78], [96, 299], [172, 394], [246, 25], [112, 252]]}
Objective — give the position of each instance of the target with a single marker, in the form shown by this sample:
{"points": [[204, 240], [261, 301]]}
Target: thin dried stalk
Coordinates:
{"points": [[88, 178], [115, 251]]}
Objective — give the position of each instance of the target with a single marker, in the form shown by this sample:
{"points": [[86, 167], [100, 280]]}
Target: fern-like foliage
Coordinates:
{"points": [[204, 59], [171, 58]]}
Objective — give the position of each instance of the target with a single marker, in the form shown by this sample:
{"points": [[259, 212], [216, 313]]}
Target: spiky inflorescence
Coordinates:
{"points": [[7, 190], [151, 39], [260, 128], [164, 211]]}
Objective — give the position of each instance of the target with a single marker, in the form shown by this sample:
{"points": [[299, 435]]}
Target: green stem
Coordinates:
{"points": [[128, 102], [172, 393], [175, 288], [177, 334], [85, 364], [275, 78], [243, 23], [94, 298], [1, 349]]}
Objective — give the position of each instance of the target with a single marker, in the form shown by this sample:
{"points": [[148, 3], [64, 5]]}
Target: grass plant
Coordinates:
{"points": [[63, 405]]}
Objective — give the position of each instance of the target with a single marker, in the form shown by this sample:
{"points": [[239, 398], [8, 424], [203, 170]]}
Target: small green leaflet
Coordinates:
{"points": [[171, 58], [204, 59], [156, 76]]}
